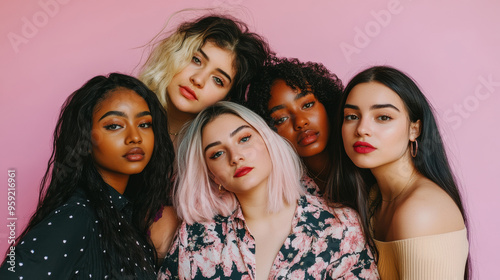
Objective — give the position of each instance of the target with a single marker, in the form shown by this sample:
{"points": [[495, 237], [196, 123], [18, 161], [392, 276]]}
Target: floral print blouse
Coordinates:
{"points": [[324, 243]]}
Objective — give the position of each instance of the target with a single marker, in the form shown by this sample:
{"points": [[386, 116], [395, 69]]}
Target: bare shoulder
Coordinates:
{"points": [[163, 230], [427, 210]]}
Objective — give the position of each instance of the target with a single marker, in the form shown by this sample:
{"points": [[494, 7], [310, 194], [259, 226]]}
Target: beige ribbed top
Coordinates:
{"points": [[441, 256]]}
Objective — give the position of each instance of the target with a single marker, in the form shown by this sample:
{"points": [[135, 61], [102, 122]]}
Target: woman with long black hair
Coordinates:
{"points": [[105, 181], [394, 158]]}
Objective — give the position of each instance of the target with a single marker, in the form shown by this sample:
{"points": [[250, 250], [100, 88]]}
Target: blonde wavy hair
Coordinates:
{"points": [[172, 54]]}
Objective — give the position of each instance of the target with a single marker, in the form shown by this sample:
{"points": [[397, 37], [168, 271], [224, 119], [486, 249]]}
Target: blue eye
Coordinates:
{"points": [[246, 138], [112, 126], [218, 81], [216, 155]]}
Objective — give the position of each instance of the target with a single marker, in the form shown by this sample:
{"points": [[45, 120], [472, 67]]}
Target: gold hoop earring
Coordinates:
{"points": [[414, 151], [220, 188]]}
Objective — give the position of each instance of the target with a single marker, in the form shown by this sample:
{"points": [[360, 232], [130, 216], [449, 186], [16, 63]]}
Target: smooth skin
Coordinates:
{"points": [[122, 123], [205, 80], [231, 144], [412, 205], [303, 121]]}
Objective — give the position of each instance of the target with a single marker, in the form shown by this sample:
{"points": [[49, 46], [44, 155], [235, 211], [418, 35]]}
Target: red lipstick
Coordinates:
{"points": [[188, 93], [242, 171], [363, 147], [134, 154], [307, 137]]}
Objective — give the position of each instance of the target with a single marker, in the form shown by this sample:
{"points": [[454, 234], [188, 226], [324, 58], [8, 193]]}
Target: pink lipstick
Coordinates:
{"points": [[134, 154], [363, 147], [242, 171], [188, 93]]}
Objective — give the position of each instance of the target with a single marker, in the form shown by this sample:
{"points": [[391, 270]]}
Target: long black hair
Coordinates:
{"points": [[71, 167], [431, 160]]}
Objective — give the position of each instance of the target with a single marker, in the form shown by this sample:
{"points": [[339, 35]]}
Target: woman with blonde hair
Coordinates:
{"points": [[245, 214], [204, 61]]}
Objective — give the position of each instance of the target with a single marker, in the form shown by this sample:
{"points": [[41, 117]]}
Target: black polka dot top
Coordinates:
{"points": [[66, 245]]}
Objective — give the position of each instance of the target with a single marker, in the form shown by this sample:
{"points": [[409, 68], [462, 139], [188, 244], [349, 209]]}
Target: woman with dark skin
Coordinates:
{"points": [[299, 101], [108, 175]]}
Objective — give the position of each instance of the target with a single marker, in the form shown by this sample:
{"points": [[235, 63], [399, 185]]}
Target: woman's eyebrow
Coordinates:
{"points": [[218, 69], [113, 113], [373, 107], [230, 134]]}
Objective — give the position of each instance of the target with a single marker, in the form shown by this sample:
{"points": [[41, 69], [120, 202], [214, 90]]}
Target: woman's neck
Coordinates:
{"points": [[318, 168], [176, 120], [393, 179], [254, 205]]}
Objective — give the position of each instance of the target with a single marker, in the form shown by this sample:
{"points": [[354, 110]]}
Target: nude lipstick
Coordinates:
{"points": [[363, 147], [134, 154], [188, 93], [307, 137]]}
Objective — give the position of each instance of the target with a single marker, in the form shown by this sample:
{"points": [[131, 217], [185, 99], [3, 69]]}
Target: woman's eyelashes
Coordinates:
{"points": [[245, 138], [112, 126], [350, 117], [380, 117], [217, 80], [278, 121], [196, 60], [308, 105], [218, 153], [146, 125], [118, 125], [384, 118]]}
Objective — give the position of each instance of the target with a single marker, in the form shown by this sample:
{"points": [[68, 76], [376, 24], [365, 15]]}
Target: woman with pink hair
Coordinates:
{"points": [[245, 214]]}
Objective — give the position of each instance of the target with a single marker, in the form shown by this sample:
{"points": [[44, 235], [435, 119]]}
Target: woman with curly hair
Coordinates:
{"points": [[108, 175], [299, 100]]}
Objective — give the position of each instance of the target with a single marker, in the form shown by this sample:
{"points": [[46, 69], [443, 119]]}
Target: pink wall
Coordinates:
{"points": [[51, 47]]}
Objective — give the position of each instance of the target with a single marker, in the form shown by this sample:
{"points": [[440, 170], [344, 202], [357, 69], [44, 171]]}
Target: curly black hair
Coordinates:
{"points": [[304, 76]]}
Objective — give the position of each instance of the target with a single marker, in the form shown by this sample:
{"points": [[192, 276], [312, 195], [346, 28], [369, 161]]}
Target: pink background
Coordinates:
{"points": [[49, 48]]}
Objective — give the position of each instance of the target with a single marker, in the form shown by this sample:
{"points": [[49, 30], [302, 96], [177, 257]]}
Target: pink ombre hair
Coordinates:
{"points": [[197, 197]]}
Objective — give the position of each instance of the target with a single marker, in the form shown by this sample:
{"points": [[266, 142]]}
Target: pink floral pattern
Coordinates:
{"points": [[324, 243]]}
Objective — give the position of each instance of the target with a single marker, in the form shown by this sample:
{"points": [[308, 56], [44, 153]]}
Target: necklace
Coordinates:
{"points": [[174, 134], [401, 192], [317, 176]]}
